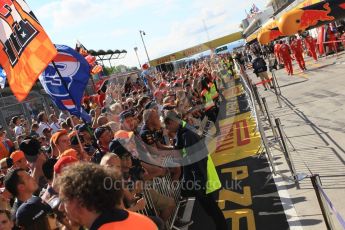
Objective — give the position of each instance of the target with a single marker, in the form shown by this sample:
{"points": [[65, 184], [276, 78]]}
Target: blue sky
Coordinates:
{"points": [[170, 25]]}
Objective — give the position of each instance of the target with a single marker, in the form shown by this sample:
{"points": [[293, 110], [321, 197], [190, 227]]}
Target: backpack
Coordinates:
{"points": [[259, 65]]}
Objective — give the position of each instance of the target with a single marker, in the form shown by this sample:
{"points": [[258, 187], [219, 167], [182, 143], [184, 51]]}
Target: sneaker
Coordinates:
{"points": [[265, 89], [179, 223]]}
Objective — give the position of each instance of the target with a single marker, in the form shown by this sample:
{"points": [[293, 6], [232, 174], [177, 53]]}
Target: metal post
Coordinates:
{"points": [[275, 85], [136, 53], [315, 180], [265, 143], [287, 153], [256, 94], [142, 39], [276, 82], [274, 131]]}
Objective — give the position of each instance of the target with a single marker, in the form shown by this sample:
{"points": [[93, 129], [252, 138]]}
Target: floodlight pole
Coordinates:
{"points": [[142, 39], [136, 53]]}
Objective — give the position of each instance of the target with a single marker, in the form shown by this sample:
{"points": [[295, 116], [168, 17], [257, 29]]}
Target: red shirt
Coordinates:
{"points": [[310, 42], [100, 99], [276, 48], [284, 51], [296, 47]]}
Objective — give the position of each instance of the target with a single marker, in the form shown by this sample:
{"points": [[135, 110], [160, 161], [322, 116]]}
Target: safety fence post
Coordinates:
{"points": [[315, 180], [270, 121], [286, 153], [256, 94], [276, 87]]}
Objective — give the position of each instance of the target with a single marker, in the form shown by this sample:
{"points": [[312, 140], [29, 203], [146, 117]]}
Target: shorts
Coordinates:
{"points": [[264, 76]]}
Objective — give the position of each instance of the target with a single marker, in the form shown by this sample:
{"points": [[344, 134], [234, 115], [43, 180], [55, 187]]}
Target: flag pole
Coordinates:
{"points": [[66, 87]]}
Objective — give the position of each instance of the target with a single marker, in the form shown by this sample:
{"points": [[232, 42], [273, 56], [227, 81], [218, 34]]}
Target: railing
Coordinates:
{"points": [[328, 210]]}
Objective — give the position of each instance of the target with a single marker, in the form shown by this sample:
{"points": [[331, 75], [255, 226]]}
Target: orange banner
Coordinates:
{"points": [[25, 48]]}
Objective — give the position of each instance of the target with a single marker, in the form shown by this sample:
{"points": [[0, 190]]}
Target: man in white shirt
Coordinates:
{"points": [[42, 123], [63, 115], [18, 129], [54, 125]]}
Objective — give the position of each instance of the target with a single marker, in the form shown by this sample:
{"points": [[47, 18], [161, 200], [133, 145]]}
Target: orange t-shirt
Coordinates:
{"points": [[3, 151], [134, 221]]}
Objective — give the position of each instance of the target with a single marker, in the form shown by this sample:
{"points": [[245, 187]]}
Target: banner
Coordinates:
{"points": [[2, 78], [75, 72], [25, 48]]}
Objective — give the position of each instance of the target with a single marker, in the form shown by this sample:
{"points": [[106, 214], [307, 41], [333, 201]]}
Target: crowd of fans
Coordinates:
{"points": [[62, 173]]}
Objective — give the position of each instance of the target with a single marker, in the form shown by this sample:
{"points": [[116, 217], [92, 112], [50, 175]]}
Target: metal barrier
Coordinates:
{"points": [[276, 88], [265, 142], [327, 208], [286, 153], [166, 187], [270, 121]]}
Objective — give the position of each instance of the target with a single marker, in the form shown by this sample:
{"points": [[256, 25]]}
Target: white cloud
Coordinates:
{"points": [[222, 17], [72, 13]]}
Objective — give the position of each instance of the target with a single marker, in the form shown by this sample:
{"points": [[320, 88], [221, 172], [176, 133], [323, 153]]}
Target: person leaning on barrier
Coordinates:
{"points": [[152, 135], [91, 196], [133, 174], [200, 177]]}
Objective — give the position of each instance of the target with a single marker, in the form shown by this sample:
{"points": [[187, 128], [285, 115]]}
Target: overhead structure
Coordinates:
{"points": [[308, 17], [269, 32], [197, 49], [102, 55]]}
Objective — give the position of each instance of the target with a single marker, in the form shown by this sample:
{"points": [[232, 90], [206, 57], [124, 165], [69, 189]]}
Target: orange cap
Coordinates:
{"points": [[63, 162], [57, 135], [69, 152], [122, 134], [17, 155]]}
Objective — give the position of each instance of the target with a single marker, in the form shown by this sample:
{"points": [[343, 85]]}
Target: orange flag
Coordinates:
{"points": [[25, 48]]}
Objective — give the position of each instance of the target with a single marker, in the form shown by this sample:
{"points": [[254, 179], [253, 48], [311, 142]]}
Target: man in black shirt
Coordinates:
{"points": [[195, 166], [22, 187]]}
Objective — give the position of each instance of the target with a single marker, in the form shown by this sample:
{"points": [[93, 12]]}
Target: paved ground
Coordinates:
{"points": [[313, 119], [245, 202]]}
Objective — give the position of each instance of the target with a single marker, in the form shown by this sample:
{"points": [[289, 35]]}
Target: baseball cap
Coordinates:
{"points": [[69, 152], [83, 128], [63, 162], [31, 148], [31, 211], [125, 114], [17, 156], [99, 131], [168, 106], [162, 85], [122, 134], [55, 137], [157, 93], [150, 105], [116, 147]]}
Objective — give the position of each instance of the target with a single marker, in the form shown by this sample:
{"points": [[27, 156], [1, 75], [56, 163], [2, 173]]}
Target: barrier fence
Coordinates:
{"points": [[328, 210]]}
